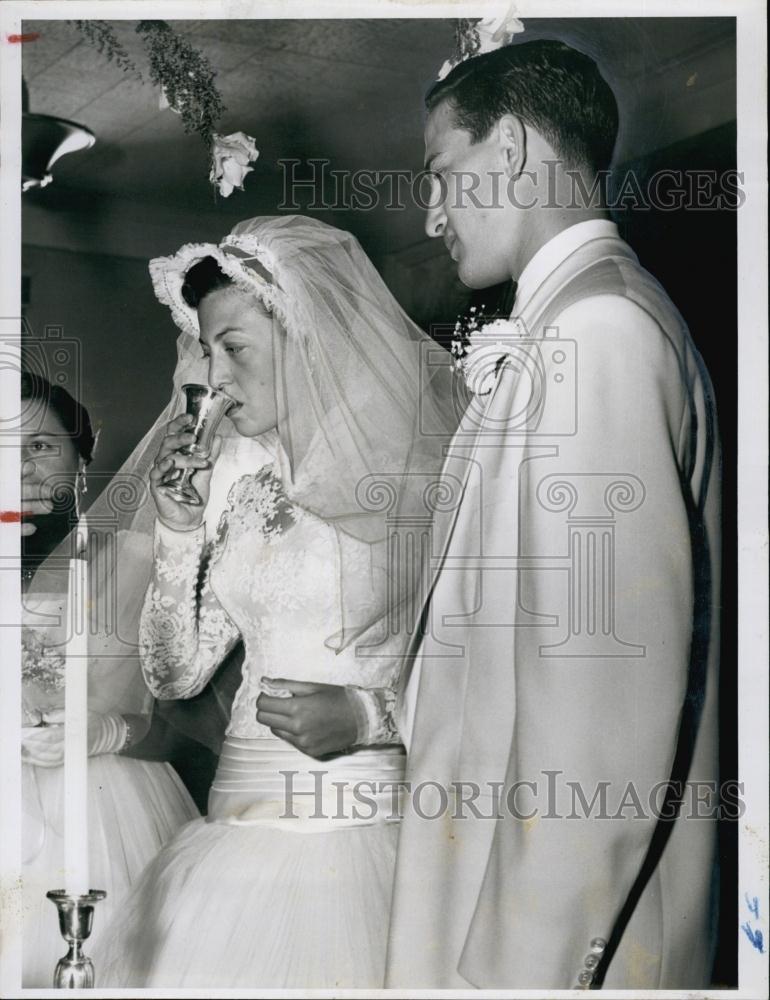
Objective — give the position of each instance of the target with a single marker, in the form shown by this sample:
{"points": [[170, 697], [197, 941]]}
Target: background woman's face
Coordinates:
{"points": [[49, 460], [237, 338]]}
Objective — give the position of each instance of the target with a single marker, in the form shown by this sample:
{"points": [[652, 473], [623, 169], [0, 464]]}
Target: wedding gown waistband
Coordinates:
{"points": [[268, 782]]}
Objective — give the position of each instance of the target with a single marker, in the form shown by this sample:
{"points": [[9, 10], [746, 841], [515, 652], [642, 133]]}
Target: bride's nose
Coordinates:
{"points": [[219, 375]]}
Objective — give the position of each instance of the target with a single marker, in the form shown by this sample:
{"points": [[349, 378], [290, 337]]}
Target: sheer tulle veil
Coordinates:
{"points": [[367, 410], [364, 397]]}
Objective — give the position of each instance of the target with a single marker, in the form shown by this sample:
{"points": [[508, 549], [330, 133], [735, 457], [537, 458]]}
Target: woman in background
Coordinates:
{"points": [[134, 806]]}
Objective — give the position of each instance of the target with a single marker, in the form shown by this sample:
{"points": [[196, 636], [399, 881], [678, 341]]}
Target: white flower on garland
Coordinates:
{"points": [[231, 156], [490, 33], [480, 349]]}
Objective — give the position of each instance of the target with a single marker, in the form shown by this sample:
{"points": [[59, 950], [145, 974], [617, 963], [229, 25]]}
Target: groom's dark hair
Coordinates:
{"points": [[550, 86]]}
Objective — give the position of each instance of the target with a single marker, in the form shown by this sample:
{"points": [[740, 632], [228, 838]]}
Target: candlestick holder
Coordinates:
{"points": [[75, 971]]}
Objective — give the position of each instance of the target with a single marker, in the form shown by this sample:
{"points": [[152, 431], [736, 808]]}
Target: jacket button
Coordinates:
{"points": [[591, 961], [598, 945], [585, 977]]}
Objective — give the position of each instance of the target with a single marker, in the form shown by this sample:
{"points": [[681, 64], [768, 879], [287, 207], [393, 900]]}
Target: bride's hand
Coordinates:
{"points": [[172, 512], [318, 719]]}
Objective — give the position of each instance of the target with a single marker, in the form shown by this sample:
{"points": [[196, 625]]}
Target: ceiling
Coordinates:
{"points": [[346, 90], [349, 91]]}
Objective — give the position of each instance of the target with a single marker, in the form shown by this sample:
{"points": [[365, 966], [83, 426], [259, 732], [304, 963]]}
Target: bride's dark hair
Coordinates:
{"points": [[204, 277]]}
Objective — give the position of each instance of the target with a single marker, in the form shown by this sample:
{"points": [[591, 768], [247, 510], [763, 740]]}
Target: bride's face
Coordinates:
{"points": [[237, 338]]}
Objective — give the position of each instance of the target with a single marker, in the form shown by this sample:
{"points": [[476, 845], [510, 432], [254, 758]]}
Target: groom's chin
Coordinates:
{"points": [[470, 279], [478, 278]]}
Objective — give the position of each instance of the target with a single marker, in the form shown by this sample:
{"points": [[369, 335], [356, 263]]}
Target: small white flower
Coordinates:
{"points": [[232, 155], [494, 32]]}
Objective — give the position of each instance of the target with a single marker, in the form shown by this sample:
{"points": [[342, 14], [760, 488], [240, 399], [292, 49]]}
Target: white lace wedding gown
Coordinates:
{"points": [[286, 883]]}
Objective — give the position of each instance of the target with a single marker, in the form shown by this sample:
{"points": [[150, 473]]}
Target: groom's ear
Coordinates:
{"points": [[512, 142]]}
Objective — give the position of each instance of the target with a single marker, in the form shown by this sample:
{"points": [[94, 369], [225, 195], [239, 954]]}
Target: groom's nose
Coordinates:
{"points": [[435, 220]]}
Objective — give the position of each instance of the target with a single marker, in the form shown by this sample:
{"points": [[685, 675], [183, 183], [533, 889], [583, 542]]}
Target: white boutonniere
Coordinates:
{"points": [[480, 349]]}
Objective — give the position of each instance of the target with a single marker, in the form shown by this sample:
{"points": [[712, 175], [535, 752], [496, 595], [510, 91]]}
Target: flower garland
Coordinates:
{"points": [[105, 41], [185, 79]]}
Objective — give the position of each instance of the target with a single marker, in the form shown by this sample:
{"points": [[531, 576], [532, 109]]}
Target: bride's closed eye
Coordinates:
{"points": [[228, 349]]}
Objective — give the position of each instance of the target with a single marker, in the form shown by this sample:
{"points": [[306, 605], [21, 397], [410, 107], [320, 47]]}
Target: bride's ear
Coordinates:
{"points": [[512, 143]]}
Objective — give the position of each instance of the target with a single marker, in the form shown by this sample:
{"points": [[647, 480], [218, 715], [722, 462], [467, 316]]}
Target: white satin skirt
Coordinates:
{"points": [[134, 807], [287, 883]]}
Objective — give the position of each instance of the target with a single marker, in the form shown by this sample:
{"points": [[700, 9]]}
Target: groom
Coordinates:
{"points": [[562, 704], [560, 713]]}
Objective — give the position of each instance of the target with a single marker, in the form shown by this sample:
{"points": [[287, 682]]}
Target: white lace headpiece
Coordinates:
{"points": [[365, 408], [240, 257]]}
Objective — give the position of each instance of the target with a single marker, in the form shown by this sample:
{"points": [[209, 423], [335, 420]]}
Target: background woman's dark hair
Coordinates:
{"points": [[73, 415], [202, 278], [550, 86]]}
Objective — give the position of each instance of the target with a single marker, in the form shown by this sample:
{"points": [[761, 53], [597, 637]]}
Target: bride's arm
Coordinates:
{"points": [[184, 635]]}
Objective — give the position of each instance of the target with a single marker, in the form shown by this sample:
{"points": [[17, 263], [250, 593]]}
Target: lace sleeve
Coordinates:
{"points": [[184, 633], [374, 709]]}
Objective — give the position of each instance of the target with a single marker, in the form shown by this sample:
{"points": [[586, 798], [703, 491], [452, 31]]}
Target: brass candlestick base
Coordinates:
{"points": [[76, 916]]}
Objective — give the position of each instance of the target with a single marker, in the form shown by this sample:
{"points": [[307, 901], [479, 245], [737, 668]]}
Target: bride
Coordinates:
{"points": [[287, 882]]}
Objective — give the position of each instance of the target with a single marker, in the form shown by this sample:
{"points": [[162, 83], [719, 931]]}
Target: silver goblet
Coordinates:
{"points": [[207, 407]]}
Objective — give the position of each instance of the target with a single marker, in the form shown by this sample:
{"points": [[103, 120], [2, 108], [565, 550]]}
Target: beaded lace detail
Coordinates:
{"points": [[270, 577]]}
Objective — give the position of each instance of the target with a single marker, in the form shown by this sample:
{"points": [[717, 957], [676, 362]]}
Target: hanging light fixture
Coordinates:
{"points": [[44, 140]]}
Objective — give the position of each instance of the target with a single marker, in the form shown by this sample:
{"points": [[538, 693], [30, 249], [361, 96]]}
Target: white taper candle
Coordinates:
{"points": [[76, 722]]}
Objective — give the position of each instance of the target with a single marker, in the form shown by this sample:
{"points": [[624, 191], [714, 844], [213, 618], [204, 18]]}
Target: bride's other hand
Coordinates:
{"points": [[318, 719], [43, 745], [172, 512]]}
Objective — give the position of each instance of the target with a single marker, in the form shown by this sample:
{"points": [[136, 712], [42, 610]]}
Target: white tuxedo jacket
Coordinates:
{"points": [[569, 670]]}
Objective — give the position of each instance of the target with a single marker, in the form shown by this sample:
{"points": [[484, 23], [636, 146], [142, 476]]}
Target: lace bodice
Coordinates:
{"points": [[269, 576]]}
